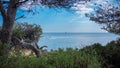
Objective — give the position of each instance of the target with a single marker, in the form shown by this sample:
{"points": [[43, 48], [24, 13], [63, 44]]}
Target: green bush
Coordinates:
{"points": [[69, 58], [111, 54], [4, 49], [94, 56]]}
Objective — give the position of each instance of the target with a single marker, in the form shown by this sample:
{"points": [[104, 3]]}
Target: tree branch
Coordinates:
{"points": [[43, 47], [2, 10], [20, 2], [23, 16]]}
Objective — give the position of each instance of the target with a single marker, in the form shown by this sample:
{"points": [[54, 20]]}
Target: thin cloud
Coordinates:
{"points": [[87, 7], [82, 8]]}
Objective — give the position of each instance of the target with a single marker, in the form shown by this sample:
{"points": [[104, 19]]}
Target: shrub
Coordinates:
{"points": [[69, 58], [111, 54]]}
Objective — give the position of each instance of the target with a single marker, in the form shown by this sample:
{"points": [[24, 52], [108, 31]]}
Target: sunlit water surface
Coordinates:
{"points": [[74, 40]]}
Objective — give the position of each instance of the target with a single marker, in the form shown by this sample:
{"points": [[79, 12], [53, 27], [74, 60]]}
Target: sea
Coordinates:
{"points": [[74, 40]]}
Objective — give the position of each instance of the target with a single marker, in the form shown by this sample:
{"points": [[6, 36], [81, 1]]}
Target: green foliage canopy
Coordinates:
{"points": [[30, 32], [27, 31]]}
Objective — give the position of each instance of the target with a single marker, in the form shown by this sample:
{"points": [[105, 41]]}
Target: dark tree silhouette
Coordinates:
{"points": [[108, 15]]}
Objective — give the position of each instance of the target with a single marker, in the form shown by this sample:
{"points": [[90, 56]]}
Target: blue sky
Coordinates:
{"points": [[52, 20], [60, 20]]}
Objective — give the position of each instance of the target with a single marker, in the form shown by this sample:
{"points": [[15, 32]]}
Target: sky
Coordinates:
{"points": [[60, 20]]}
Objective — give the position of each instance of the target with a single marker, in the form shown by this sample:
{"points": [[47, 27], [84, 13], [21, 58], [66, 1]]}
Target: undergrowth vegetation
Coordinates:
{"points": [[94, 56], [70, 58]]}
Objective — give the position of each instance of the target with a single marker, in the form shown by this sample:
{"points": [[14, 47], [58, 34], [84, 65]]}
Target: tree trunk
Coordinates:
{"points": [[8, 22], [7, 30]]}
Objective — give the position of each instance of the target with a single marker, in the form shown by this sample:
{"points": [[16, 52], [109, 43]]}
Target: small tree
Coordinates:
{"points": [[27, 31], [26, 36]]}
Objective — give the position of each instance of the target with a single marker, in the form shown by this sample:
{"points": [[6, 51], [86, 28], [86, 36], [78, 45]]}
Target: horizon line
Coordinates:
{"points": [[75, 32]]}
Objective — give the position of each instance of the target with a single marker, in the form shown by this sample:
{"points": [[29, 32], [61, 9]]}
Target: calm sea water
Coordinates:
{"points": [[74, 40]]}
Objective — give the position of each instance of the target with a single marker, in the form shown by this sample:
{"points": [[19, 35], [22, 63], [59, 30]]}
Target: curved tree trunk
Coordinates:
{"points": [[8, 16]]}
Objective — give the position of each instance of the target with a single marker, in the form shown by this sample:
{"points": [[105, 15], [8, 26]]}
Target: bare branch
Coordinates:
{"points": [[17, 39], [43, 47], [23, 16], [33, 47]]}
